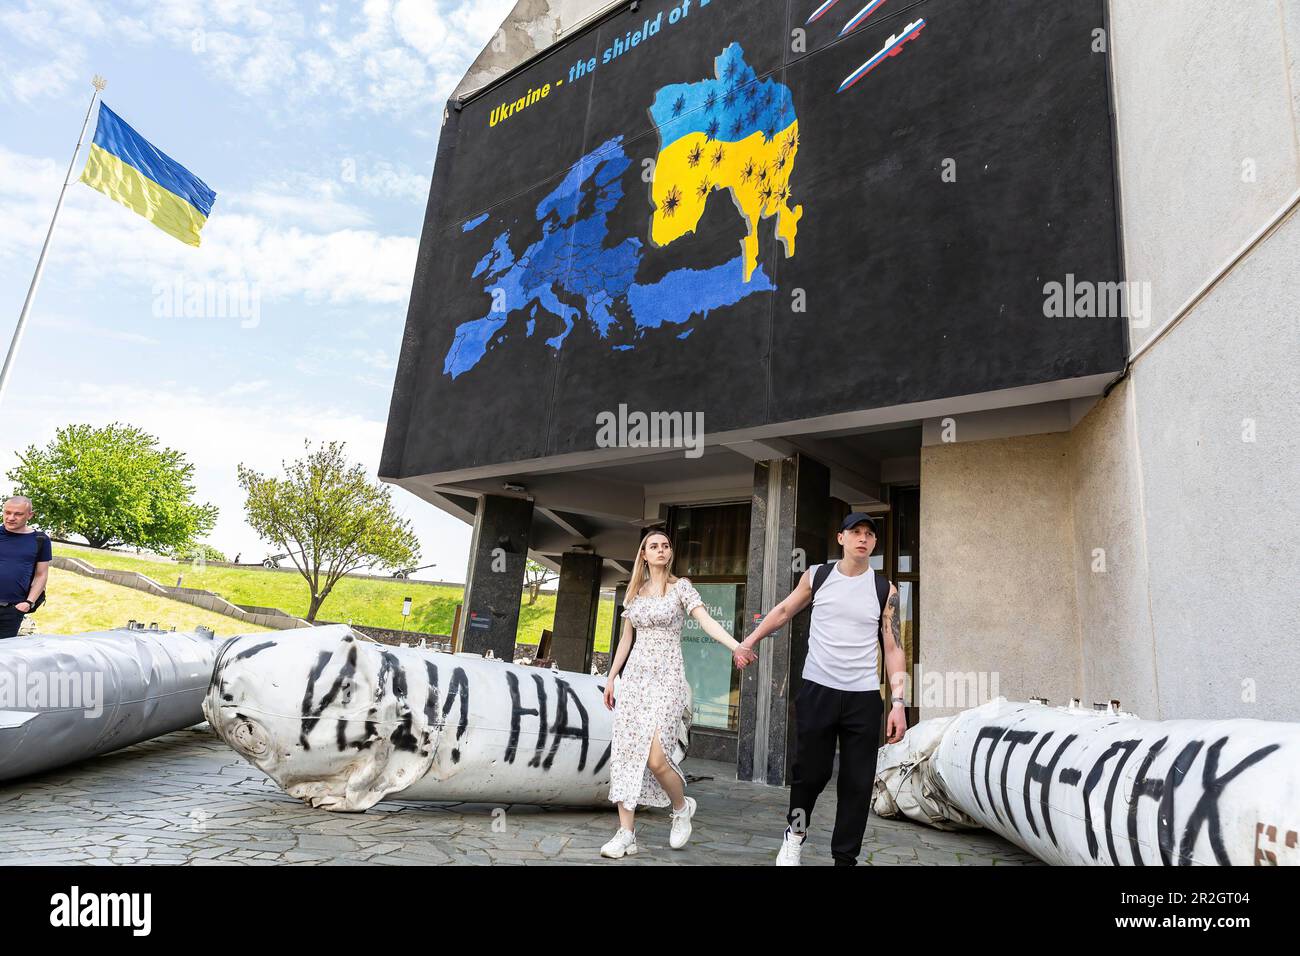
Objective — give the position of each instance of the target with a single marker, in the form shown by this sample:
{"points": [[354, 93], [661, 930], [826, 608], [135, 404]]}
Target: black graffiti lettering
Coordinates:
{"points": [[1108, 811], [1042, 775], [993, 734], [1143, 786], [518, 711], [402, 737], [1176, 775], [311, 715], [364, 742], [255, 649], [1070, 776], [430, 703], [604, 758], [459, 690], [561, 727], [1013, 738], [386, 663], [322, 661], [1094, 777], [1206, 811]]}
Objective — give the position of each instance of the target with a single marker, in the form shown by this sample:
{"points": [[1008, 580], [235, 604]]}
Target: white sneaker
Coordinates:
{"points": [[791, 847], [623, 844], [681, 831]]}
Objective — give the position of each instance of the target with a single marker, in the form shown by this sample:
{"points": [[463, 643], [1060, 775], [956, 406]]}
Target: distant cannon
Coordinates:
{"points": [[404, 573], [341, 723], [272, 561], [1077, 786], [67, 698]]}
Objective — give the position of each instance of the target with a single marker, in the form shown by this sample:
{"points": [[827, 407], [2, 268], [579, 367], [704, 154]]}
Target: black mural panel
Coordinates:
{"points": [[732, 218], [941, 290], [512, 137]]}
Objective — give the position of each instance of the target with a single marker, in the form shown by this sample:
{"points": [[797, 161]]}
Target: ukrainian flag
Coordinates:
{"points": [[126, 167]]}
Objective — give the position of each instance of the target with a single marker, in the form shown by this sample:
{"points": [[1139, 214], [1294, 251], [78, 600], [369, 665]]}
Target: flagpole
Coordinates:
{"points": [[98, 82]]}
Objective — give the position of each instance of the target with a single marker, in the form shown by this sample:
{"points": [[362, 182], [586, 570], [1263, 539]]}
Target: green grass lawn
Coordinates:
{"points": [[76, 603], [359, 600]]}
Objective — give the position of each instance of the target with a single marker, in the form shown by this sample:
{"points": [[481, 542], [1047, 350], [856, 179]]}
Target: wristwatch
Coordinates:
{"points": [[898, 700]]}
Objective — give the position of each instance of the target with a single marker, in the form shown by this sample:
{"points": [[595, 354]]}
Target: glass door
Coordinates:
{"points": [[711, 547]]}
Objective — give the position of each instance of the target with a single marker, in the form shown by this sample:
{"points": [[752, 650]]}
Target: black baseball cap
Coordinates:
{"points": [[856, 518]]}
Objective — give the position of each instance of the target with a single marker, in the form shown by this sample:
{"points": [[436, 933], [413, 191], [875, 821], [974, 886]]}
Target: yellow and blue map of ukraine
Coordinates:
{"points": [[735, 132], [547, 273]]}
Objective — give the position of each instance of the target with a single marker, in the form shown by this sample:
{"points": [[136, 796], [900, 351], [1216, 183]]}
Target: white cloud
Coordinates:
{"points": [[303, 201], [395, 182], [420, 25], [95, 331], [386, 58], [99, 239]]}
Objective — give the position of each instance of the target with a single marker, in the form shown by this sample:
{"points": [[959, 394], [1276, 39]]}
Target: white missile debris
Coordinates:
{"points": [[341, 722], [66, 698], [1077, 786]]}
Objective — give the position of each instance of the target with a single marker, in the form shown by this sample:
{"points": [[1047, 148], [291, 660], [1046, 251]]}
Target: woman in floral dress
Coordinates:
{"points": [[652, 694]]}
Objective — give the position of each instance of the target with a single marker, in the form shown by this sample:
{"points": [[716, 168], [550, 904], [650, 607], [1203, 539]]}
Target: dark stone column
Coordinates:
{"points": [[577, 600], [616, 629], [497, 555], [787, 535]]}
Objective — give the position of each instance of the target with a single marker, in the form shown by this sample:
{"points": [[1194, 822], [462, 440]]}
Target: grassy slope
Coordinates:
{"points": [[360, 600], [77, 603]]}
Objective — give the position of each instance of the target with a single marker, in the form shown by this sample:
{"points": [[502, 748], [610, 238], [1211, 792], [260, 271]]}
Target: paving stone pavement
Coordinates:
{"points": [[185, 798]]}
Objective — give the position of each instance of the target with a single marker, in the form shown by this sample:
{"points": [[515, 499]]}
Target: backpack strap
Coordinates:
{"points": [[820, 574], [882, 595]]}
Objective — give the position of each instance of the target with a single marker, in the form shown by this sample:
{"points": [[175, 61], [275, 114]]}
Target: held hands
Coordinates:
{"points": [[744, 655], [896, 726]]}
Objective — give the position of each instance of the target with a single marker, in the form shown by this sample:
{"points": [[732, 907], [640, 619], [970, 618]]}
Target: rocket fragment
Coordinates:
{"points": [[66, 698], [1074, 786], [342, 723]]}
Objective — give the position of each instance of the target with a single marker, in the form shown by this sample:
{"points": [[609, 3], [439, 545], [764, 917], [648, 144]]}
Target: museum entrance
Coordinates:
{"points": [[711, 547]]}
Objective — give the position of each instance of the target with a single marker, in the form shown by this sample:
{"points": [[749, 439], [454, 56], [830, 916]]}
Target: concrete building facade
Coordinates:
{"points": [[1114, 523]]}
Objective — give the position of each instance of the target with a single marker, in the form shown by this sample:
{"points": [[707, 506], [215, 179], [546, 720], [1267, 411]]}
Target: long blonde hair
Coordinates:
{"points": [[639, 571]]}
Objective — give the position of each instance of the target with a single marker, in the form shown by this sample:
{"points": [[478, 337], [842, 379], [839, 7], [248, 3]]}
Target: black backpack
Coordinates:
{"points": [[822, 571]]}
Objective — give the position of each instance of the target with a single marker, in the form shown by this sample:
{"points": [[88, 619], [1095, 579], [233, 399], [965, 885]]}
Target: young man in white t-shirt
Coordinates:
{"points": [[838, 700]]}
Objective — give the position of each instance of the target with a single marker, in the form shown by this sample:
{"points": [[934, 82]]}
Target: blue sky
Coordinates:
{"points": [[316, 124]]}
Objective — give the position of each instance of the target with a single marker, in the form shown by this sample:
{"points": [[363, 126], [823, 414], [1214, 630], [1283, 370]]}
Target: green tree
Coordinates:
{"points": [[330, 519], [113, 486], [198, 551], [536, 576]]}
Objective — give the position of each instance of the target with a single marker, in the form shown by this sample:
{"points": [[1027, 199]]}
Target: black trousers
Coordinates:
{"points": [[825, 717], [10, 621]]}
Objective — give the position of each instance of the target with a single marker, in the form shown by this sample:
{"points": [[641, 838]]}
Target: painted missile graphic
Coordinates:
{"points": [[861, 16], [1077, 786], [821, 11], [891, 48], [67, 698], [341, 723]]}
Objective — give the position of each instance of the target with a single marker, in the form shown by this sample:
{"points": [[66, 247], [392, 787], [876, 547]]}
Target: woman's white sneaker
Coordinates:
{"points": [[681, 831], [791, 847], [623, 844]]}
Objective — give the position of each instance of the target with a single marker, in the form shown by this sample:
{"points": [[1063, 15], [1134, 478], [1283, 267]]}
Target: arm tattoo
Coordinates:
{"points": [[893, 615]]}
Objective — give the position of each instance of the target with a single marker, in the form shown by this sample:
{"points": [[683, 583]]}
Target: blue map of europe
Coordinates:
{"points": [[565, 263]]}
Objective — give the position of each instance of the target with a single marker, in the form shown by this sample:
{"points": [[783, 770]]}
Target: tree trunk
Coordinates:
{"points": [[314, 607]]}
